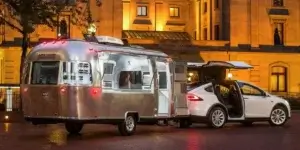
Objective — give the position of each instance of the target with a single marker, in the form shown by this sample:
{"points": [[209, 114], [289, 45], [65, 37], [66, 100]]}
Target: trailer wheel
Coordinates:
{"points": [[128, 126], [73, 128]]}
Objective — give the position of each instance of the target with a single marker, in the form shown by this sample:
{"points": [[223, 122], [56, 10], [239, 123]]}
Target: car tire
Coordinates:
{"points": [[217, 117], [128, 126], [73, 128], [278, 116]]}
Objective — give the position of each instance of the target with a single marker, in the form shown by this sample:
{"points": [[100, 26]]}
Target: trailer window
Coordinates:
{"points": [[130, 80], [108, 68], [162, 80], [77, 73], [45, 72]]}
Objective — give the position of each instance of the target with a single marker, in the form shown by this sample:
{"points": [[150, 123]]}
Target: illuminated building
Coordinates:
{"points": [[262, 33]]}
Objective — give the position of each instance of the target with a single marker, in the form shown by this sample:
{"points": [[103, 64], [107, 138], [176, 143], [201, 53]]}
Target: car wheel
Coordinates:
{"points": [[73, 128], [217, 117], [128, 126], [278, 116]]}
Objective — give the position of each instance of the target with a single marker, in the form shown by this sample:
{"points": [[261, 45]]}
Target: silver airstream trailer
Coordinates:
{"points": [[77, 82]]}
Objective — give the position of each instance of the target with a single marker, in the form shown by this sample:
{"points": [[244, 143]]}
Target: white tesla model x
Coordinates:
{"points": [[216, 103]]}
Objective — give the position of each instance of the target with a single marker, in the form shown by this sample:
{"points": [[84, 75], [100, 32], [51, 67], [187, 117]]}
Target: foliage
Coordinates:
{"points": [[25, 15]]}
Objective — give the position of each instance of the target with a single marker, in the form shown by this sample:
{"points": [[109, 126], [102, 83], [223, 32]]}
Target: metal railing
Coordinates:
{"points": [[10, 102]]}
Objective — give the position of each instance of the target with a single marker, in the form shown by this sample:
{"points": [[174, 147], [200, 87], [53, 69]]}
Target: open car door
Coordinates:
{"points": [[224, 64], [213, 70]]}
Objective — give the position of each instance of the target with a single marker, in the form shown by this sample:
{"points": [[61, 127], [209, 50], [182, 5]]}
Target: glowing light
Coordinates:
{"points": [[6, 117], [189, 79], [92, 28], [191, 74], [229, 75], [159, 27]]}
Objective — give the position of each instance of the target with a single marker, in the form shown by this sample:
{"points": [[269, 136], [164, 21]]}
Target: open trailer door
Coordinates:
{"points": [[180, 88]]}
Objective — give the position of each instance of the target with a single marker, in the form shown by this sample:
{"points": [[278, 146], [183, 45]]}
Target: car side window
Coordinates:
{"points": [[247, 89], [209, 89]]}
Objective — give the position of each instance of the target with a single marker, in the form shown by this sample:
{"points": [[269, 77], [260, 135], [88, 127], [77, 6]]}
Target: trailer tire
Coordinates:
{"points": [[73, 128], [128, 126]]}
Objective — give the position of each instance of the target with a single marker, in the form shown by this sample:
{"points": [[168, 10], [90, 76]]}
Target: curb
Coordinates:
{"points": [[17, 117], [11, 117], [295, 111]]}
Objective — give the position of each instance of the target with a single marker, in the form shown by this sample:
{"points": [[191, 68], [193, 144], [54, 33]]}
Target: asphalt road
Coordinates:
{"points": [[17, 136]]}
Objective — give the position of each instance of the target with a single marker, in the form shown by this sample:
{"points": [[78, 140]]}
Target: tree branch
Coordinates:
{"points": [[12, 25]]}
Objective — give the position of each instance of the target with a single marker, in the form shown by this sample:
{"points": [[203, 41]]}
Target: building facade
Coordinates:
{"points": [[265, 34], [262, 33]]}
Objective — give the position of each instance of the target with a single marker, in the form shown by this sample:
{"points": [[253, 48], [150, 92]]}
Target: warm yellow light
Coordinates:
{"points": [[126, 16], [189, 79], [191, 74], [6, 117], [229, 75], [125, 24], [159, 27]]}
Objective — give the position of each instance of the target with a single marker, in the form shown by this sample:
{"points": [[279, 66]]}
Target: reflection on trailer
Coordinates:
{"points": [[77, 82]]}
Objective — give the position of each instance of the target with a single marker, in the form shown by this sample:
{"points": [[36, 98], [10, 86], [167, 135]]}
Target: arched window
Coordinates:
{"points": [[63, 28], [278, 79]]}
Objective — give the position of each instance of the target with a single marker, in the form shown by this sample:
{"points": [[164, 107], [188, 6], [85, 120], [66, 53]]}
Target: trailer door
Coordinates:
{"points": [[163, 86], [180, 88]]}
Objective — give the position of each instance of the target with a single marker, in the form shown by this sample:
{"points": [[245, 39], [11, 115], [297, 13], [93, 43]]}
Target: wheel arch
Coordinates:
{"points": [[134, 113], [217, 105], [280, 105]]}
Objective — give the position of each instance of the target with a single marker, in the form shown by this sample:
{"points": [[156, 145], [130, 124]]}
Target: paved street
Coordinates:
{"points": [[261, 136]]}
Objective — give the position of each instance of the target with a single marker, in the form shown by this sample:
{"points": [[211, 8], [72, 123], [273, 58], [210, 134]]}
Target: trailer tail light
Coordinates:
{"points": [[25, 89], [192, 97], [63, 90]]}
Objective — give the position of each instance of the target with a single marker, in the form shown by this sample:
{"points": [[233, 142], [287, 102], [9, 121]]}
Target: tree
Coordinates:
{"points": [[25, 15]]}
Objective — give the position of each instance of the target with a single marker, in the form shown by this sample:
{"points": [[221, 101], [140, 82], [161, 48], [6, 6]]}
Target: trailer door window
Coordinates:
{"points": [[162, 80], [130, 80], [45, 72]]}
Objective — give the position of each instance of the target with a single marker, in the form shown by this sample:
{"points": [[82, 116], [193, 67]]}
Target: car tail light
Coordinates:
{"points": [[192, 97]]}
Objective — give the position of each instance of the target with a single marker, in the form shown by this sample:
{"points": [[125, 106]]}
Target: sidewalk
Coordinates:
{"points": [[11, 117]]}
